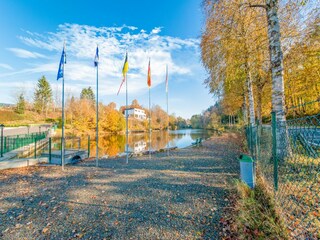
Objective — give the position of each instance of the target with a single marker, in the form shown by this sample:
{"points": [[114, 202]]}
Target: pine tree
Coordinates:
{"points": [[88, 94], [42, 96]]}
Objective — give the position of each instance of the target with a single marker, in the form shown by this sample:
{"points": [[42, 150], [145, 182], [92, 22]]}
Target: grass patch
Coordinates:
{"points": [[256, 214], [10, 118]]}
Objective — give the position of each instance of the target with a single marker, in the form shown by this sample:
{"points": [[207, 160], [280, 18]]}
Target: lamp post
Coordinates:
{"points": [[1, 150], [28, 126]]}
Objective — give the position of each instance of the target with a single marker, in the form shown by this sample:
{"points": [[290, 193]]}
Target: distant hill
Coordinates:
{"points": [[7, 105]]}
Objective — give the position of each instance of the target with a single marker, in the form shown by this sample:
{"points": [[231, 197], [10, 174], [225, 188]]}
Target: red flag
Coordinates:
{"points": [[149, 75]]}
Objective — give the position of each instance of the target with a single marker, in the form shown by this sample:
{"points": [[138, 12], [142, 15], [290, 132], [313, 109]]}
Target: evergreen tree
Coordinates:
{"points": [[42, 96], [21, 104], [88, 94]]}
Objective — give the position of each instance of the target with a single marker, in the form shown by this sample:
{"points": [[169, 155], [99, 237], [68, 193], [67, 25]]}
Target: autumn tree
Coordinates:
{"points": [[111, 120], [158, 118], [135, 104], [81, 117], [181, 122], [196, 121], [302, 75], [172, 122], [227, 53]]}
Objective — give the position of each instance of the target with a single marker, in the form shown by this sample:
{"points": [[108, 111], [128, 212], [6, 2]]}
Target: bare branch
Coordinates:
{"points": [[257, 6], [253, 5]]}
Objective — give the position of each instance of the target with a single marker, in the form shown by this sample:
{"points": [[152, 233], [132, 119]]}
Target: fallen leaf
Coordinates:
{"points": [[18, 225], [45, 230]]}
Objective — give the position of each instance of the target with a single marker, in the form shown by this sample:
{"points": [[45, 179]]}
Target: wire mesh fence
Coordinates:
{"points": [[288, 157]]}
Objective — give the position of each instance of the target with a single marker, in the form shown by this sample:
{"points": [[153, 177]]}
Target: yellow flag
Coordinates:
{"points": [[149, 75], [125, 66], [124, 71]]}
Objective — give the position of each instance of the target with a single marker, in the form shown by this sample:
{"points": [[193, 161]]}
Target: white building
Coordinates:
{"points": [[136, 113]]}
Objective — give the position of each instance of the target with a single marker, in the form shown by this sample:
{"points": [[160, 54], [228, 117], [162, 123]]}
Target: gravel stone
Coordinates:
{"points": [[180, 196]]}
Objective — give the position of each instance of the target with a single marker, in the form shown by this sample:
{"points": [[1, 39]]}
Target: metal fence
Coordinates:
{"points": [[288, 157], [11, 143], [38, 145]]}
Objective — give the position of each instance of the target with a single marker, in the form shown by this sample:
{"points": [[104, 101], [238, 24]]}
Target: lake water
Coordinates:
{"points": [[112, 145]]}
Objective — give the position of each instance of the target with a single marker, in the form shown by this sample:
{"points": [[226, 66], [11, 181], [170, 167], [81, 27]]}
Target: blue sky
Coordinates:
{"points": [[167, 32]]}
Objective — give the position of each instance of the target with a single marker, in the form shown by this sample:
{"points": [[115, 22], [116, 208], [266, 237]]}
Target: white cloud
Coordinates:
{"points": [[42, 68], [22, 53], [113, 42], [156, 30], [6, 66]]}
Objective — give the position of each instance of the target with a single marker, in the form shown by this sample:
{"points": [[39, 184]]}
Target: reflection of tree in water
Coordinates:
{"points": [[112, 145]]}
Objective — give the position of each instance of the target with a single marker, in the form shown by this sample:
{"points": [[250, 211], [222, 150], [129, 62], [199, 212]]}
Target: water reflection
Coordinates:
{"points": [[138, 147], [113, 145]]}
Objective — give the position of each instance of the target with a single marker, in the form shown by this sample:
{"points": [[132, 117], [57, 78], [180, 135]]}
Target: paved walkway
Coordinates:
{"points": [[166, 197], [12, 131]]}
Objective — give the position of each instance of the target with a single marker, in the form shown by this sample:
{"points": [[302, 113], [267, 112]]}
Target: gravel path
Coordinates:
{"points": [[180, 196]]}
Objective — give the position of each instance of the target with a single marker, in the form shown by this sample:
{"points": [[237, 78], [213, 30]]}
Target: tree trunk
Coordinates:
{"points": [[259, 105], [251, 100], [276, 60], [245, 109]]}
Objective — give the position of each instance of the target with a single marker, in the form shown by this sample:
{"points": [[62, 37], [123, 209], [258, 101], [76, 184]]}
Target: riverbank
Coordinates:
{"points": [[180, 196]]}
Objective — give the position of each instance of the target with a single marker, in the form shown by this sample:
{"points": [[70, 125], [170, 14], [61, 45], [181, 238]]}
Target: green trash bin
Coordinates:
{"points": [[247, 170]]}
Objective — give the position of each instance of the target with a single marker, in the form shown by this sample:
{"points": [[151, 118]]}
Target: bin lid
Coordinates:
{"points": [[245, 158]]}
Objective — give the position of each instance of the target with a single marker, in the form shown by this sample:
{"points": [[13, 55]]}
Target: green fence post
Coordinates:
{"points": [[248, 136], [88, 146], [50, 150], [5, 145], [35, 148], [274, 149], [258, 140], [1, 126], [250, 140]]}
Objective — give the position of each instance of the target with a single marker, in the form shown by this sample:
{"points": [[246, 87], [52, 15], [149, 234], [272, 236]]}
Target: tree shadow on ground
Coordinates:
{"points": [[171, 197]]}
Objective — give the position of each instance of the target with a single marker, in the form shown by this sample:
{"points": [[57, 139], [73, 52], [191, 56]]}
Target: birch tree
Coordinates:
{"points": [[242, 49], [227, 52]]}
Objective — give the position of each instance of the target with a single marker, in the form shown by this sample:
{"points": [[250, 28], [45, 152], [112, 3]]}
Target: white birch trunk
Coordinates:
{"points": [[276, 60], [251, 99], [245, 109]]}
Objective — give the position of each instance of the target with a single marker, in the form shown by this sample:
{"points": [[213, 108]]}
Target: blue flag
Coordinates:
{"points": [[96, 58], [63, 61]]}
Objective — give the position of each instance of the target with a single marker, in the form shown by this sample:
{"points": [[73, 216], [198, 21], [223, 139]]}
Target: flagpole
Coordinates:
{"points": [[127, 132], [167, 98], [62, 137], [97, 119], [149, 123]]}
